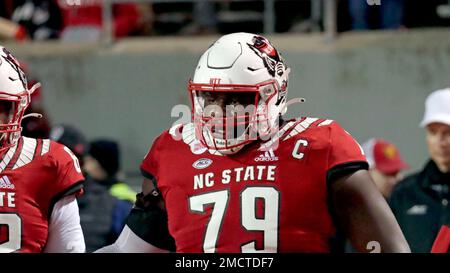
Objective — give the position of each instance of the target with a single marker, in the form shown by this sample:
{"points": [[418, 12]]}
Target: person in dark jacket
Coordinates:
{"points": [[420, 201], [107, 201]]}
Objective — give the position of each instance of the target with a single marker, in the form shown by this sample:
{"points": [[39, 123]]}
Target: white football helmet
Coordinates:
{"points": [[14, 98], [239, 63]]}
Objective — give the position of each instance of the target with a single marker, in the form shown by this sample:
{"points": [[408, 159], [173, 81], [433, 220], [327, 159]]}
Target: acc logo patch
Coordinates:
{"points": [[202, 163]]}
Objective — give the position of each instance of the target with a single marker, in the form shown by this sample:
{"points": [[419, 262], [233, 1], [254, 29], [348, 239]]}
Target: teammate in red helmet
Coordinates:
{"points": [[39, 178]]}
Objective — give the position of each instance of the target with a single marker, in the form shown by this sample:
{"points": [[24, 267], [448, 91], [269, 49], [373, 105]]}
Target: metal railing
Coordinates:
{"points": [[328, 16]]}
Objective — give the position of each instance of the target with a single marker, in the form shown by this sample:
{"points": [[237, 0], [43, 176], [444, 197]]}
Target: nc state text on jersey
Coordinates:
{"points": [[241, 174], [7, 199]]}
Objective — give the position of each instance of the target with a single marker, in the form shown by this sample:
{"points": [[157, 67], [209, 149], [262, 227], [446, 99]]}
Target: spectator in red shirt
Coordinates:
{"points": [[84, 21]]}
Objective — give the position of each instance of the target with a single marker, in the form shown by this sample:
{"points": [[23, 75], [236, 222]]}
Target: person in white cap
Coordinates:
{"points": [[420, 201], [386, 164], [437, 123]]}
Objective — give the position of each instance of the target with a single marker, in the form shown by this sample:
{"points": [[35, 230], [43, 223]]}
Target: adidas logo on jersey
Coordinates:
{"points": [[5, 183], [268, 156]]}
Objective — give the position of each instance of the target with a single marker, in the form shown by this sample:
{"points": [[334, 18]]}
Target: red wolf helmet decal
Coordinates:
{"points": [[264, 46], [272, 60]]}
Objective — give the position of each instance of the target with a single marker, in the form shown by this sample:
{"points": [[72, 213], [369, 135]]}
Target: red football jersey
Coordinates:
{"points": [[34, 175], [265, 198]]}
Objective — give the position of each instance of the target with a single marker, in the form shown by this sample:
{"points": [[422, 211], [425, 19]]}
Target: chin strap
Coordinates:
{"points": [[31, 91], [32, 115], [292, 101], [34, 87]]}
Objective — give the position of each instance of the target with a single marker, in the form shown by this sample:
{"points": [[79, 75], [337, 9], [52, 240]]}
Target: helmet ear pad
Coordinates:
{"points": [[241, 62]]}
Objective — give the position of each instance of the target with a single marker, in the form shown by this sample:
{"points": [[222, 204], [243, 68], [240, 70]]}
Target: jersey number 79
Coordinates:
{"points": [[10, 232], [249, 220]]}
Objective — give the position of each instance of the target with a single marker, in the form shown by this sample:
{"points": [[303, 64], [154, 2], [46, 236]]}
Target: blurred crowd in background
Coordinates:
{"points": [[58, 19]]}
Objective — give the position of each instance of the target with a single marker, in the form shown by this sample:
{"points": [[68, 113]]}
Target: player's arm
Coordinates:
{"points": [[146, 229], [364, 215], [64, 232]]}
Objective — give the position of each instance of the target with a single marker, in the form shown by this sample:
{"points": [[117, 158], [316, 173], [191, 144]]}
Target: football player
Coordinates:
{"points": [[249, 181], [39, 178]]}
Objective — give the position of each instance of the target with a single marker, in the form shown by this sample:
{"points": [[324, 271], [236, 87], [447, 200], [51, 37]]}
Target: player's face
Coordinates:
{"points": [[438, 141], [230, 112], [6, 108]]}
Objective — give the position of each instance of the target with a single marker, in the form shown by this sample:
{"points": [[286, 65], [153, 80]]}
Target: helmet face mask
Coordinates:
{"points": [[224, 113], [12, 108], [14, 99], [238, 92], [6, 111]]}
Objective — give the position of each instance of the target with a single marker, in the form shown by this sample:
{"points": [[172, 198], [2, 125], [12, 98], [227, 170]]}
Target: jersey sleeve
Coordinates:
{"points": [[147, 219], [69, 178], [149, 166], [345, 155]]}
